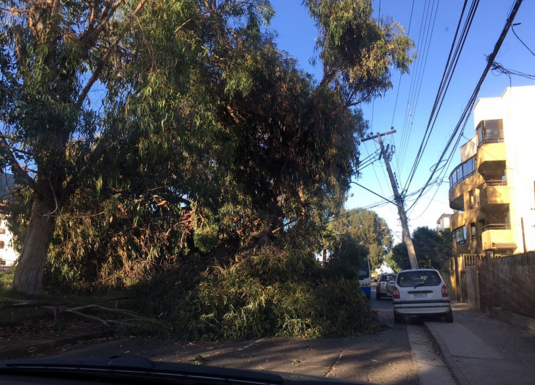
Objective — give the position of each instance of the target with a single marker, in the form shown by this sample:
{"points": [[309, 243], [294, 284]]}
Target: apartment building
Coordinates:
{"points": [[492, 189], [443, 222]]}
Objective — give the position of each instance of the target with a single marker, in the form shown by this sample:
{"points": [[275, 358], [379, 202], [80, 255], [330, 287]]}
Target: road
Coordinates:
{"points": [[430, 367], [398, 355]]}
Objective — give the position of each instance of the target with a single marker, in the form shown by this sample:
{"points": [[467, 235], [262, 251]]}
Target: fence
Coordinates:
{"points": [[508, 283], [464, 281]]}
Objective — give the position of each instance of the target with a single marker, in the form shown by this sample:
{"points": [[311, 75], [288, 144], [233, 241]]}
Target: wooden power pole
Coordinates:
{"points": [[399, 203]]}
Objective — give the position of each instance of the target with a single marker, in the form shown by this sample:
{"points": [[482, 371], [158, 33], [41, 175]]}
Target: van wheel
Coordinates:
{"points": [[449, 317], [377, 294], [397, 319]]}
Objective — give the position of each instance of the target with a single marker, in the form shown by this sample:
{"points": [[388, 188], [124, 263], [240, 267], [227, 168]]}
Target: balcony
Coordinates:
{"points": [[463, 218], [457, 219], [461, 187], [498, 236], [493, 194], [490, 156]]}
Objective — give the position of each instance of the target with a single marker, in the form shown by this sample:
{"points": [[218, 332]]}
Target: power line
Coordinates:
{"points": [[373, 192], [416, 82], [525, 45], [397, 94], [472, 100], [451, 64]]}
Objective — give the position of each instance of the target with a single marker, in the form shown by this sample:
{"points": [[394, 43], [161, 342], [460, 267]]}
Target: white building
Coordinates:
{"points": [[8, 255]]}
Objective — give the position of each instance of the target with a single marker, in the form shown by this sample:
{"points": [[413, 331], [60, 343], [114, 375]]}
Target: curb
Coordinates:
{"points": [[450, 361], [46, 346]]}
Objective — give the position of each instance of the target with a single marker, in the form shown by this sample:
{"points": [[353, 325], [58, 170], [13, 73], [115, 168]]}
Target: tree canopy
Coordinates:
{"points": [[433, 249], [149, 134], [367, 229]]}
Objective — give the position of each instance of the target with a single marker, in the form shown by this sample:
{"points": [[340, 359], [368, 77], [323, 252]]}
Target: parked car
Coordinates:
{"points": [[381, 288], [420, 292]]}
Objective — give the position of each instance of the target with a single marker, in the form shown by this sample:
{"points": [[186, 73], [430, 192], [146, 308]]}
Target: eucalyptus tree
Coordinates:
{"points": [[192, 98]]}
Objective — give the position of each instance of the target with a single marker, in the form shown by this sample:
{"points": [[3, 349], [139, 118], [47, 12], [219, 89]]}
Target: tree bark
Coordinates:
{"points": [[29, 272]]}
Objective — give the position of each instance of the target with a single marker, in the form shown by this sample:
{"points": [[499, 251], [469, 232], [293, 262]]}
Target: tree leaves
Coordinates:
{"points": [[193, 102], [367, 229], [433, 249]]}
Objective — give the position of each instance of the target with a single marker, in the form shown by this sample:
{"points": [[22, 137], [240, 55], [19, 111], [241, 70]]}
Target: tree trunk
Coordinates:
{"points": [[29, 271]]}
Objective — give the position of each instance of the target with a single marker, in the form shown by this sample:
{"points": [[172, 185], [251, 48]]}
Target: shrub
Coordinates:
{"points": [[276, 292]]}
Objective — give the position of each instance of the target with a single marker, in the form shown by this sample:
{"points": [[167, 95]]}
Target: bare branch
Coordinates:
{"points": [[183, 24], [15, 166], [104, 18], [14, 10], [98, 70], [55, 200], [23, 152]]}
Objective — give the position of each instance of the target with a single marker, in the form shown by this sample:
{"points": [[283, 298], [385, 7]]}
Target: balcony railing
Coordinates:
{"points": [[496, 226], [490, 140], [493, 182], [456, 214]]}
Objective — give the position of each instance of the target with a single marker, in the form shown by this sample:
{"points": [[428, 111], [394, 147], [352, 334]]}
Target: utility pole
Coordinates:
{"points": [[399, 203]]}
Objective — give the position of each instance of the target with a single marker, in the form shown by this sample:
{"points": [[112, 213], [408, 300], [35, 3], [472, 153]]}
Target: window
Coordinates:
{"points": [[469, 167], [387, 277], [459, 234], [473, 231], [490, 131], [471, 199], [1, 244], [463, 171], [2, 231], [418, 278]]}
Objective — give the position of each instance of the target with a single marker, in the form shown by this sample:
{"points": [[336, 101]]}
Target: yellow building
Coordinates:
{"points": [[492, 189]]}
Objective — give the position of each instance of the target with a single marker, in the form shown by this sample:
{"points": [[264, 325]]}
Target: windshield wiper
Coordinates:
{"points": [[419, 284]]}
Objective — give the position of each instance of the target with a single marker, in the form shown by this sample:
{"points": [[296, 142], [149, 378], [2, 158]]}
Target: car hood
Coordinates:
{"points": [[120, 368]]}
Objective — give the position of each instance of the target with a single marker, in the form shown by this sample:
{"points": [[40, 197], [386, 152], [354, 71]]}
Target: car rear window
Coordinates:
{"points": [[387, 277], [418, 278]]}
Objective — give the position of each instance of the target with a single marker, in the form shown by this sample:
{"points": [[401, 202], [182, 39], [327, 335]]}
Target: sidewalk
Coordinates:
{"points": [[482, 350]]}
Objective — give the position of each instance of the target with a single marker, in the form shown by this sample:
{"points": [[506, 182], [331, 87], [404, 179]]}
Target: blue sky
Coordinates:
{"points": [[432, 28]]}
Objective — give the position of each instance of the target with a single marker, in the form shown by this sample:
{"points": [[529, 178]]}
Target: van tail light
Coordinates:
{"points": [[445, 291], [395, 293]]}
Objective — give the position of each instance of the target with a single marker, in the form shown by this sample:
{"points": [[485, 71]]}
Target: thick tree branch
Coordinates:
{"points": [[15, 166], [92, 33], [98, 70]]}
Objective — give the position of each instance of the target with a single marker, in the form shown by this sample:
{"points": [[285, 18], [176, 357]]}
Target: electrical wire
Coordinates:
{"points": [[415, 84], [449, 70], [525, 45], [466, 113], [397, 94]]}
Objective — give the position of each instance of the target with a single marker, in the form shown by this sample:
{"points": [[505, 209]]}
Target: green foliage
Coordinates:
{"points": [[127, 240], [205, 173], [367, 229], [433, 249], [6, 281], [358, 53], [276, 291], [347, 256]]}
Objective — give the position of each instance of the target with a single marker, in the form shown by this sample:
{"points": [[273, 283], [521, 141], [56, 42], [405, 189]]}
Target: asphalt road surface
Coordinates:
{"points": [[384, 358]]}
